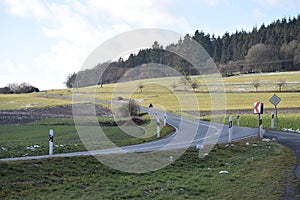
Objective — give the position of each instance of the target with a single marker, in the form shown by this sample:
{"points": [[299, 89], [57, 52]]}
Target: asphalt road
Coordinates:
{"points": [[189, 132]]}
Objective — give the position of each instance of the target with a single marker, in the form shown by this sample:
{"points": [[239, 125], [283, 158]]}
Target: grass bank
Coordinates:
{"points": [[256, 171]]}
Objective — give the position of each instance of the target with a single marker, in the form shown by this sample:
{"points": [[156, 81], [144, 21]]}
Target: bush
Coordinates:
{"points": [[5, 90], [18, 88], [131, 108]]}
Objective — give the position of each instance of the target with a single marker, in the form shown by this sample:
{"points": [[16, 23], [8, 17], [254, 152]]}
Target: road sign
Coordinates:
{"points": [[275, 100], [258, 108]]}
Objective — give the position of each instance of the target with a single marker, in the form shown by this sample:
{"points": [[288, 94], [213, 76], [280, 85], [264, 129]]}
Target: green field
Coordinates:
{"points": [[291, 120], [255, 172], [160, 92], [18, 141]]}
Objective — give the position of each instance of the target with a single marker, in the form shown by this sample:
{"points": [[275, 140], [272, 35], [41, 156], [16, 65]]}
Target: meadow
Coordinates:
{"points": [[161, 92], [32, 139], [259, 170]]}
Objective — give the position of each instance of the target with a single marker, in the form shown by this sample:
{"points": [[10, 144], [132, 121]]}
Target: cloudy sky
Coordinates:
{"points": [[43, 41]]}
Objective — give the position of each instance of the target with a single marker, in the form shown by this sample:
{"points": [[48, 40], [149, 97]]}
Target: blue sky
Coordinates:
{"points": [[43, 41]]}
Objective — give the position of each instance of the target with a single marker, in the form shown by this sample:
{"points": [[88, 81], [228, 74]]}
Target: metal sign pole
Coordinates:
{"points": [[260, 126], [276, 117], [258, 134]]}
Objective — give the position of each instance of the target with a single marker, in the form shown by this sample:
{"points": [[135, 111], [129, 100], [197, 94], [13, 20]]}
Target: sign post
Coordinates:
{"points": [[260, 126], [275, 101], [230, 129], [51, 134], [258, 108]]}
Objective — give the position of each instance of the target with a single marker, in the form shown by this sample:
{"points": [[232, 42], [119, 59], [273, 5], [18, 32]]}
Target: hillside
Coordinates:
{"points": [[274, 47]]}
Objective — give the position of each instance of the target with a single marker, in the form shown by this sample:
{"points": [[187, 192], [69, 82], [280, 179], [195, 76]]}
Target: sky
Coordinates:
{"points": [[43, 41]]}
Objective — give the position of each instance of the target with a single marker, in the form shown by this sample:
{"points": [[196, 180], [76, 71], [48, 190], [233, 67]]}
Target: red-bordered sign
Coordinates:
{"points": [[258, 108]]}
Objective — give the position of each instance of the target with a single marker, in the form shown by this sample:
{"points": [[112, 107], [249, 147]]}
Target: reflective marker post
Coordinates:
{"points": [[238, 120], [165, 119], [230, 129], [158, 127], [272, 120], [51, 134]]}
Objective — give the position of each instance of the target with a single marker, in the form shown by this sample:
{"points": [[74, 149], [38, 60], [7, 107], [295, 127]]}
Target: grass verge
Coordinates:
{"points": [[287, 120], [255, 172]]}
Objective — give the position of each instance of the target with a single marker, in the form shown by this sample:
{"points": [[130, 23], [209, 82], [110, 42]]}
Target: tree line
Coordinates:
{"points": [[275, 47], [18, 88]]}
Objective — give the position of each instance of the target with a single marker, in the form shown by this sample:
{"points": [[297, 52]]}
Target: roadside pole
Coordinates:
{"points": [[51, 134], [230, 129], [158, 127], [165, 119], [260, 126], [238, 120], [276, 116], [272, 120]]}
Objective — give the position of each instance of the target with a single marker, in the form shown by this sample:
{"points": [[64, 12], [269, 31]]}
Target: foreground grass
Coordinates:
{"points": [[255, 172]]}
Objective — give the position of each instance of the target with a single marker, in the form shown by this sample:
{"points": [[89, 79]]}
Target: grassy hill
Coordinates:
{"points": [[240, 92]]}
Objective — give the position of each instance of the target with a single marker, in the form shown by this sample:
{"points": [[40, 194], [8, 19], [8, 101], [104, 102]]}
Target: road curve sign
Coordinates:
{"points": [[257, 108]]}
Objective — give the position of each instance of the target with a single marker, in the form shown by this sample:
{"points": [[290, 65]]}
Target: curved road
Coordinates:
{"points": [[204, 133], [207, 133]]}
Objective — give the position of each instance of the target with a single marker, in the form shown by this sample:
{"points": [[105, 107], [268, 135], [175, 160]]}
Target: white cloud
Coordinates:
{"points": [[27, 8], [78, 27], [146, 13]]}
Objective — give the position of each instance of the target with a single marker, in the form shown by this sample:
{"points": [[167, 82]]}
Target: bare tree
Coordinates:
{"points": [[194, 85], [256, 83], [141, 86], [261, 57], [174, 86], [185, 81], [131, 108], [281, 83]]}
